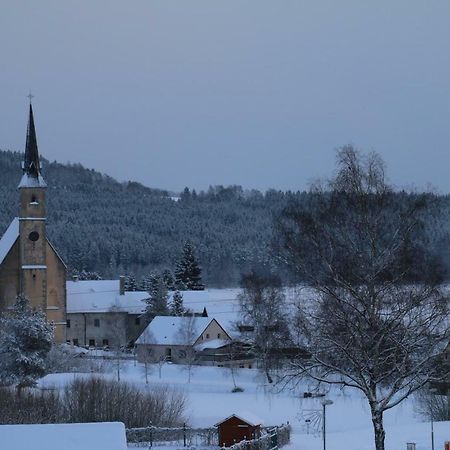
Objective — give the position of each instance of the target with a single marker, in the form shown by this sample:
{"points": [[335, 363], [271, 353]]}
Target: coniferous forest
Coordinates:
{"points": [[101, 225]]}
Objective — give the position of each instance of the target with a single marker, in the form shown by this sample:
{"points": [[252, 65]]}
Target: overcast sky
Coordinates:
{"points": [[252, 92]]}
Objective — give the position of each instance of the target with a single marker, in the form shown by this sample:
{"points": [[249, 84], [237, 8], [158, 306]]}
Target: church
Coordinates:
{"points": [[29, 263]]}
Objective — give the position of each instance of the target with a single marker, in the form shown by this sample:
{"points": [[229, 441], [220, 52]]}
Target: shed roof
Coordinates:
{"points": [[67, 436], [93, 296], [245, 416]]}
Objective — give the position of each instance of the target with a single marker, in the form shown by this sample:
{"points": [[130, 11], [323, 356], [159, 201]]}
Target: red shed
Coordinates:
{"points": [[236, 428]]}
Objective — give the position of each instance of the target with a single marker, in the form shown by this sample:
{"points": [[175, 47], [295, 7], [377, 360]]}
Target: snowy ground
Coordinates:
{"points": [[348, 421]]}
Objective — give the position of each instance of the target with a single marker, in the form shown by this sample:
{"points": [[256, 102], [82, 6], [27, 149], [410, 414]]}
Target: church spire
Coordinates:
{"points": [[31, 165]]}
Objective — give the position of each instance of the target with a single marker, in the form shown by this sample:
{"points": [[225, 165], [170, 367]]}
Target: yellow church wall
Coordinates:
{"points": [[9, 277], [56, 293]]}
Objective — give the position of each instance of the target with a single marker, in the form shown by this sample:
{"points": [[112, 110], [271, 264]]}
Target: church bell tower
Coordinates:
{"points": [[32, 218]]}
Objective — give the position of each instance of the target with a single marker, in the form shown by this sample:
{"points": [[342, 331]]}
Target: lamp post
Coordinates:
{"points": [[325, 403], [432, 391]]}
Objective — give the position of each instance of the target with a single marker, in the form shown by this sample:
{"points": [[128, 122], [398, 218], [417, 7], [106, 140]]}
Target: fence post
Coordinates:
{"points": [[184, 435]]}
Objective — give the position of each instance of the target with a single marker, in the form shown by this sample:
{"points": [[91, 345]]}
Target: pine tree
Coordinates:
{"points": [[157, 303], [130, 283], [176, 307], [188, 274], [25, 340], [168, 279]]}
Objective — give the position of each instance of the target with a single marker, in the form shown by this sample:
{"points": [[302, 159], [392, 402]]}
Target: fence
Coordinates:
{"points": [[182, 436], [274, 438]]}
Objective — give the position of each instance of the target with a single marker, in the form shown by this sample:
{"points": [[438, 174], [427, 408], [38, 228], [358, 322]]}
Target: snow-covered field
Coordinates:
{"points": [[348, 420], [210, 399]]}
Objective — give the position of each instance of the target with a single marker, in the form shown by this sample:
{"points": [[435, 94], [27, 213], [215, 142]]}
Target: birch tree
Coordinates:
{"points": [[376, 319]]}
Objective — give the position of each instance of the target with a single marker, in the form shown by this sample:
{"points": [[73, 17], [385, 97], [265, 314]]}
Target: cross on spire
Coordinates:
{"points": [[30, 96]]}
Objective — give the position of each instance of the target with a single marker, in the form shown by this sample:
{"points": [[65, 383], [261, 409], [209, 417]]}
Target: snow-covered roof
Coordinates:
{"points": [[213, 344], [169, 330], [245, 416], [103, 296], [67, 436], [9, 238], [29, 181]]}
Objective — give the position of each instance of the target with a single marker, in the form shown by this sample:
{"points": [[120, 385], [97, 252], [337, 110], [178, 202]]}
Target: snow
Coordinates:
{"points": [[29, 181], [213, 343], [245, 416], [79, 436], [103, 296], [167, 330], [9, 238], [210, 400], [219, 303]]}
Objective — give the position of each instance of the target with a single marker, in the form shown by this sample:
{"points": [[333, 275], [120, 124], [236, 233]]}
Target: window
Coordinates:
{"points": [[207, 335], [137, 321], [218, 335], [75, 342], [68, 323], [91, 342], [96, 322], [105, 342]]}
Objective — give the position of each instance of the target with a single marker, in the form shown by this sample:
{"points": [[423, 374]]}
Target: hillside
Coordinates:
{"points": [[99, 224]]}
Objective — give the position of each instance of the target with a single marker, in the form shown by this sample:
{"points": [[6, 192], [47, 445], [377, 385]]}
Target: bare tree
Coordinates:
{"points": [[263, 307], [187, 335], [376, 319], [147, 354]]}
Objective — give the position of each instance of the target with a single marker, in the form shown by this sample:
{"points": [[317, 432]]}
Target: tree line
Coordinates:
{"points": [[101, 225]]}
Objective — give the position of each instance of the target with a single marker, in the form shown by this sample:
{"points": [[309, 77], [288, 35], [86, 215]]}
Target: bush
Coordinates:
{"points": [[99, 400], [237, 389], [94, 400], [30, 407]]}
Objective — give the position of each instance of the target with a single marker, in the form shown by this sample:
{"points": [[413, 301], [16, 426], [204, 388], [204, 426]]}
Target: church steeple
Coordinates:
{"points": [[31, 165]]}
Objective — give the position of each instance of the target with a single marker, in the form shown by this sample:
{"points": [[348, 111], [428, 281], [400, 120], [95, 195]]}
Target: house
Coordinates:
{"points": [[237, 428], [29, 263], [67, 436], [177, 339], [100, 313]]}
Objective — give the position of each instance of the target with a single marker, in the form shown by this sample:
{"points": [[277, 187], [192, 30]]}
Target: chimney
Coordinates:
{"points": [[122, 285]]}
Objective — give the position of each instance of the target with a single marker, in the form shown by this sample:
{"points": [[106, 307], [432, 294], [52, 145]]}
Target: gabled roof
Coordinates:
{"points": [[8, 239], [169, 330], [67, 436], [245, 416], [103, 296]]}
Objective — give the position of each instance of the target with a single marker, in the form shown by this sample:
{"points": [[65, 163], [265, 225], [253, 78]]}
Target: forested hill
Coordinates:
{"points": [[112, 228], [99, 224]]}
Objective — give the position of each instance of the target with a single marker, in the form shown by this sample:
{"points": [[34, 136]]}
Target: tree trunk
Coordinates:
{"points": [[377, 420]]}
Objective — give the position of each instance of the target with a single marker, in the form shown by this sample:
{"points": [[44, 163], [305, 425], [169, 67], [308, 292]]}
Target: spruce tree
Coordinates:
{"points": [[130, 283], [157, 303], [25, 340], [177, 308], [188, 274]]}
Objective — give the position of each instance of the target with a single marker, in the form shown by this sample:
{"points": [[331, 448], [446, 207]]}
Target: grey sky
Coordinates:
{"points": [[250, 92]]}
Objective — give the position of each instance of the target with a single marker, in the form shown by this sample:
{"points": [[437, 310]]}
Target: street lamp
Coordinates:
{"points": [[325, 403]]}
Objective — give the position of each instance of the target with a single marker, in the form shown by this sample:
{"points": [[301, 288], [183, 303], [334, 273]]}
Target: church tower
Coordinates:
{"points": [[32, 217]]}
